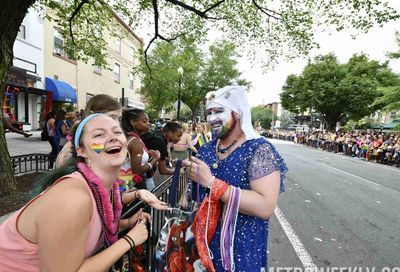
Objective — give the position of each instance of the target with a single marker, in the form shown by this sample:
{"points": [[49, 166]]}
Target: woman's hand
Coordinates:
{"points": [[155, 154], [198, 171], [184, 202], [139, 232], [140, 215], [150, 199]]}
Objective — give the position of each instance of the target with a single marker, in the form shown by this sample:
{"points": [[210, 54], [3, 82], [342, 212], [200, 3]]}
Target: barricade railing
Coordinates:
{"points": [[31, 163], [157, 217]]}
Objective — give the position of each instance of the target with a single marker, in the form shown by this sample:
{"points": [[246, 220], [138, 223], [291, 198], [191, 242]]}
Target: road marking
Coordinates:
{"points": [[298, 247], [364, 179]]}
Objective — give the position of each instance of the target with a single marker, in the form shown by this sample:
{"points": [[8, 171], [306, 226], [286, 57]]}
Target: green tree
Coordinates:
{"points": [[283, 28], [201, 73], [390, 100], [286, 118], [391, 95], [262, 115], [337, 90]]}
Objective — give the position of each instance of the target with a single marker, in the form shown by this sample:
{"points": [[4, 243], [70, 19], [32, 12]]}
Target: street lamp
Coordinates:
{"points": [[180, 72]]}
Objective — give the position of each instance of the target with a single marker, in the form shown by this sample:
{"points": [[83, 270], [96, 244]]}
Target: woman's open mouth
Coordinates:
{"points": [[113, 150]]}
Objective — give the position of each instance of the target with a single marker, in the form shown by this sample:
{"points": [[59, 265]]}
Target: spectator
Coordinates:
{"points": [[171, 133], [74, 224], [184, 147], [7, 125], [61, 130], [135, 122]]}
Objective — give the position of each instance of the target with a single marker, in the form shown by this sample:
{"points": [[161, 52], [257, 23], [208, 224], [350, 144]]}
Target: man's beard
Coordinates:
{"points": [[226, 129]]}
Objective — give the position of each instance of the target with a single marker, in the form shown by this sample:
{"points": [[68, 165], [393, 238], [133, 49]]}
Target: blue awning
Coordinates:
{"points": [[61, 90]]}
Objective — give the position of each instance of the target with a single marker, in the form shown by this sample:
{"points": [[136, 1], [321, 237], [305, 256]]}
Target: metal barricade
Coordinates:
{"points": [[157, 222], [31, 163]]}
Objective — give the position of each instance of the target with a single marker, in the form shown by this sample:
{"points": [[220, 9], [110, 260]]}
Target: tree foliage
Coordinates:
{"points": [[337, 90], [201, 73], [287, 118], [391, 95], [277, 28], [262, 115]]}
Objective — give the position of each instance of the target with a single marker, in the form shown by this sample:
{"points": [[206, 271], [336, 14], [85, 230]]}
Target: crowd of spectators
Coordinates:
{"points": [[380, 147]]}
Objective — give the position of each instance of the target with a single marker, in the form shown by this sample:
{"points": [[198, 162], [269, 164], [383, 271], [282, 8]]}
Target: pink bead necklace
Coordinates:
{"points": [[109, 205]]}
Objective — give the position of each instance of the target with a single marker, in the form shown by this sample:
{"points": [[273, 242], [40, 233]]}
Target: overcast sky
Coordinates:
{"points": [[266, 87]]}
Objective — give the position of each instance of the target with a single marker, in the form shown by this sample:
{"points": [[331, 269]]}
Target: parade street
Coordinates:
{"points": [[336, 211], [340, 212]]}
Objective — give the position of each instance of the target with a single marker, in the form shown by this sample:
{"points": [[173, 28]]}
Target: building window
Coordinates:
{"points": [[131, 54], [56, 77], [21, 32], [58, 43], [118, 44], [97, 69], [117, 72], [130, 80]]}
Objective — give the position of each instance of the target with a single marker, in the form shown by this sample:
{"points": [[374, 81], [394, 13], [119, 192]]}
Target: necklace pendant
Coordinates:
{"points": [[215, 165]]}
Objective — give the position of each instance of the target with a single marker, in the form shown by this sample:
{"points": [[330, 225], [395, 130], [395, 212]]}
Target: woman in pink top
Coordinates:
{"points": [[63, 228]]}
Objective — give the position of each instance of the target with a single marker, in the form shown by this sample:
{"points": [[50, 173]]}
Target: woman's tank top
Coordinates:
{"points": [[18, 254]]}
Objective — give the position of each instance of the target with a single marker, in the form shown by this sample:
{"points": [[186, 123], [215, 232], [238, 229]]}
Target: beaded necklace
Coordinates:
{"points": [[228, 229], [109, 206], [221, 150]]}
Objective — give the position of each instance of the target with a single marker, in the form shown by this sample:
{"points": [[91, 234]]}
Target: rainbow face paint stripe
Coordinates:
{"points": [[98, 148]]}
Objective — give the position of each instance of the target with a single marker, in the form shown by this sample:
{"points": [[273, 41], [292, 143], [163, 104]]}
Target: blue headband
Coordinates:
{"points": [[81, 125]]}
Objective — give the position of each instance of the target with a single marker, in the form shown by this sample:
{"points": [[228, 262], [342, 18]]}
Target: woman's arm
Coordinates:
{"points": [[51, 124], [196, 139], [64, 129], [189, 142], [129, 196], [63, 226], [62, 231], [135, 150]]}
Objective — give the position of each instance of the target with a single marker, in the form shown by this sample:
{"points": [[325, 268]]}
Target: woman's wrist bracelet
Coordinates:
{"points": [[135, 193], [128, 241]]}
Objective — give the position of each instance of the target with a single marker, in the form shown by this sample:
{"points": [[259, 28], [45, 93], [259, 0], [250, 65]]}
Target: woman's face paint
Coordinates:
{"points": [[98, 148], [222, 121]]}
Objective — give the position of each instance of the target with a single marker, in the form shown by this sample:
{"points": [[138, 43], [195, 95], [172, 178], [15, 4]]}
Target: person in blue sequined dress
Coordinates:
{"points": [[241, 158]]}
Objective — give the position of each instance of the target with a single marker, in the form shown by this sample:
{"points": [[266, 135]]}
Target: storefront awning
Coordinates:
{"points": [[61, 90]]}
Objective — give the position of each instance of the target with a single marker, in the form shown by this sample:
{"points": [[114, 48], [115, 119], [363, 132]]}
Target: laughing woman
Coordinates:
{"points": [[73, 225]]}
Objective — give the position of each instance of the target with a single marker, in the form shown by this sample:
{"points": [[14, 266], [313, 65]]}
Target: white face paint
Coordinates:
{"points": [[220, 119]]}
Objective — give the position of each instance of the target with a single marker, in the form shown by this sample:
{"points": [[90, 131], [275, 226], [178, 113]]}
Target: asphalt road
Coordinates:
{"points": [[345, 212], [341, 211]]}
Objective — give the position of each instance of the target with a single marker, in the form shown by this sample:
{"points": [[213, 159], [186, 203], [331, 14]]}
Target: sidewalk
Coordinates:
{"points": [[19, 145]]}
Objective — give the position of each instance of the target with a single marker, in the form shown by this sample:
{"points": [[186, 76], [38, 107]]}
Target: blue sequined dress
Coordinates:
{"points": [[252, 160]]}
